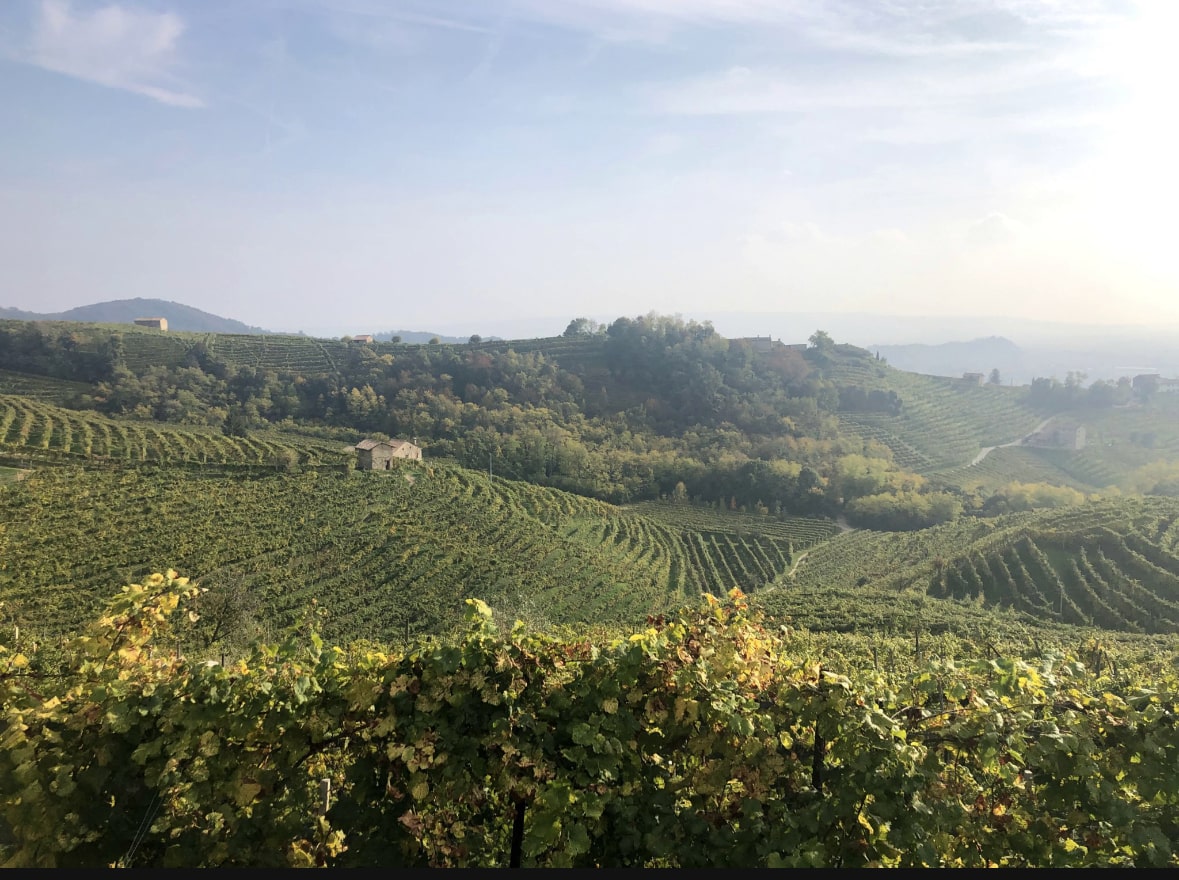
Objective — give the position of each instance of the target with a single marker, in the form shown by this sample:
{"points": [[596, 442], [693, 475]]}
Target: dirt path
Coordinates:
{"points": [[987, 450], [797, 562]]}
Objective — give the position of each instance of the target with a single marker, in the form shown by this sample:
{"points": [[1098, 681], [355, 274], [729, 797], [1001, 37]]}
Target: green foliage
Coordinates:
{"points": [[386, 553], [704, 740], [1112, 564], [904, 511], [32, 429]]}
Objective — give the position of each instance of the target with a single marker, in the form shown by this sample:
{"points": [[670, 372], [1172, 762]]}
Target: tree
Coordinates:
{"points": [[582, 327], [434, 340], [236, 424], [822, 343], [475, 337], [995, 378]]}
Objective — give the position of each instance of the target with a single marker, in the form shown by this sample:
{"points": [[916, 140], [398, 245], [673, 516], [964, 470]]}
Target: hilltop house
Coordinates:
{"points": [[974, 378], [1150, 383], [153, 323], [363, 337], [378, 455], [757, 343]]}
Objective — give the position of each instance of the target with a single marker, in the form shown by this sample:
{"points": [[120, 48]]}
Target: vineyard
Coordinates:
{"points": [[380, 552], [943, 422], [1121, 440], [38, 430], [1015, 463], [302, 354], [40, 387], [1111, 564], [708, 739]]}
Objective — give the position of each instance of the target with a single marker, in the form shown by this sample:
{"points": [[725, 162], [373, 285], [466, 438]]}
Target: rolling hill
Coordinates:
{"points": [[380, 551], [124, 311], [1112, 564]]}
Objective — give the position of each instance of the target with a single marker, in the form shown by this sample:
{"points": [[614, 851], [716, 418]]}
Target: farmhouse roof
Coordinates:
{"points": [[373, 444]]}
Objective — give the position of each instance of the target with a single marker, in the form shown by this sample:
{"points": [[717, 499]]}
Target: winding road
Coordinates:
{"points": [[987, 450]]}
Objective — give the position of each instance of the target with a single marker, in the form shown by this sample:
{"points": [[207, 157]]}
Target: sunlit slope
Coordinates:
{"points": [[33, 428], [1122, 440], [40, 387], [1014, 464], [378, 551], [943, 422], [1112, 564]]}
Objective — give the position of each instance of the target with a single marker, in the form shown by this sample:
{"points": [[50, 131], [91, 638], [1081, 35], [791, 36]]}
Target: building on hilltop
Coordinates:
{"points": [[757, 343], [153, 323], [974, 378], [1151, 383], [1146, 383], [378, 455], [363, 337]]}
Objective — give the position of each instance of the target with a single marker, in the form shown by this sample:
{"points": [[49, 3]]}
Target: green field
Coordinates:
{"points": [[40, 388], [380, 552], [943, 422], [32, 428], [1121, 440], [1112, 564], [1015, 464]]}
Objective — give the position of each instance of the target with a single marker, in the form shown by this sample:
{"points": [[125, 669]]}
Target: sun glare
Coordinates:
{"points": [[1134, 181]]}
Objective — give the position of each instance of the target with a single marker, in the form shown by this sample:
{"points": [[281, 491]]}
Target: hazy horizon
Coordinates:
{"points": [[367, 165]]}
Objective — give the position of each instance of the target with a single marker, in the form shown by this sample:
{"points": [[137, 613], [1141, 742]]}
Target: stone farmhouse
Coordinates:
{"points": [[974, 378], [378, 455], [153, 323]]}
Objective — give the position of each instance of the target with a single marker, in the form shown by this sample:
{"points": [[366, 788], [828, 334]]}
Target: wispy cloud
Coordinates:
{"points": [[114, 46]]}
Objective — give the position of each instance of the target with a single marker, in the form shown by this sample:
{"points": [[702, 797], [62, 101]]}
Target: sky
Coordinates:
{"points": [[338, 166]]}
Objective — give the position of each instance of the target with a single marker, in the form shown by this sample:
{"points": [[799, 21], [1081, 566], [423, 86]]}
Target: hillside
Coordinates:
{"points": [[125, 311], [941, 422], [381, 552], [1112, 564], [36, 430]]}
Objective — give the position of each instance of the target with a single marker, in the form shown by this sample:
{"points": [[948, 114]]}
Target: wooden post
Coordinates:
{"points": [[517, 835], [325, 796]]}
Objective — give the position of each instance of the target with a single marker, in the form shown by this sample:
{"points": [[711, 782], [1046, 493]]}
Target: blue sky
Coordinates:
{"points": [[359, 165]]}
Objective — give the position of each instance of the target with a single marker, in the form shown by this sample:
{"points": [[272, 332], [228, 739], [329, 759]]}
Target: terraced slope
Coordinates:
{"points": [[379, 551], [1015, 463], [943, 423], [40, 387], [1120, 440], [32, 428], [800, 531], [1112, 564]]}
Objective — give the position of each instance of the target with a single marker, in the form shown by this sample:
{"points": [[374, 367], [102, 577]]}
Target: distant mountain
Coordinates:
{"points": [[955, 358], [419, 336], [125, 311]]}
